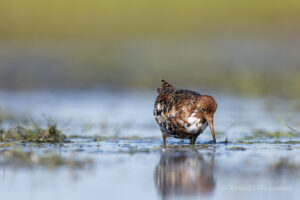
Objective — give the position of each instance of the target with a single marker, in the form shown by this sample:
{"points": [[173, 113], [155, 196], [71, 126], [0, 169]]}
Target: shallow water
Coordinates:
{"points": [[139, 167]]}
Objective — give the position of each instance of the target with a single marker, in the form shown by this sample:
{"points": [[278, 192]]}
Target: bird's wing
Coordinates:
{"points": [[182, 109]]}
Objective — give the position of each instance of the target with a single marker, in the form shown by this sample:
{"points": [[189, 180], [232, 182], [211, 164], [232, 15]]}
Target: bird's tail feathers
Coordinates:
{"points": [[165, 85]]}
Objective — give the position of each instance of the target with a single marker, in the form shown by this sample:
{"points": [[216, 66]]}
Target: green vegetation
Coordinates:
{"points": [[294, 131], [261, 134], [32, 133], [98, 142], [237, 148]]}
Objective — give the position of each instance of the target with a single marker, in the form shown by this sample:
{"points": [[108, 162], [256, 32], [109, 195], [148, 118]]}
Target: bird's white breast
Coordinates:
{"points": [[194, 124]]}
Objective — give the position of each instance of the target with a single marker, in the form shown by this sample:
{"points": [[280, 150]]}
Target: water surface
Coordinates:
{"points": [[131, 163]]}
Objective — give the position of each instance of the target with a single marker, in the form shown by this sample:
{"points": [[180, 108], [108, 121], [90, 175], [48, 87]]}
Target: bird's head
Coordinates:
{"points": [[208, 106]]}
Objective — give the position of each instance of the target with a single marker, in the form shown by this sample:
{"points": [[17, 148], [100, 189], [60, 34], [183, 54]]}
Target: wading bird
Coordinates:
{"points": [[183, 113]]}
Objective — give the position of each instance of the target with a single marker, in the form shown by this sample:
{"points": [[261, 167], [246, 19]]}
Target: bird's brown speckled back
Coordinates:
{"points": [[182, 113]]}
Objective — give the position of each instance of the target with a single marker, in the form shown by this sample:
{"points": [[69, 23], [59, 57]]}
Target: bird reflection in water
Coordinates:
{"points": [[184, 173]]}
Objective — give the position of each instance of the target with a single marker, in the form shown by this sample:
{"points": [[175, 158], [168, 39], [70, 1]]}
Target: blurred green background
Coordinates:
{"points": [[243, 47]]}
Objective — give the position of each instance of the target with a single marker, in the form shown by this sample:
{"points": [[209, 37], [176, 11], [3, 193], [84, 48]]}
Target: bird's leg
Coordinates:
{"points": [[164, 135], [193, 140]]}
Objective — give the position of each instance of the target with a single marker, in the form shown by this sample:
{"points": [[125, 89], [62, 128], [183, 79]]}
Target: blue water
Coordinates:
{"points": [[141, 168]]}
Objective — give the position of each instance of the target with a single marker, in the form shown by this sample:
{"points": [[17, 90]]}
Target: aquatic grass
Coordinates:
{"points": [[98, 142], [264, 134], [294, 131], [267, 142], [34, 133], [244, 142], [237, 148]]}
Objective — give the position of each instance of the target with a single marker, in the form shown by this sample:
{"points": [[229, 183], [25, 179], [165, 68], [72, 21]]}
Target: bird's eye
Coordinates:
{"points": [[203, 109]]}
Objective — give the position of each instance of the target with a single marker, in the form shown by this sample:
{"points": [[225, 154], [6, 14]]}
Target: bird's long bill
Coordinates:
{"points": [[211, 126]]}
